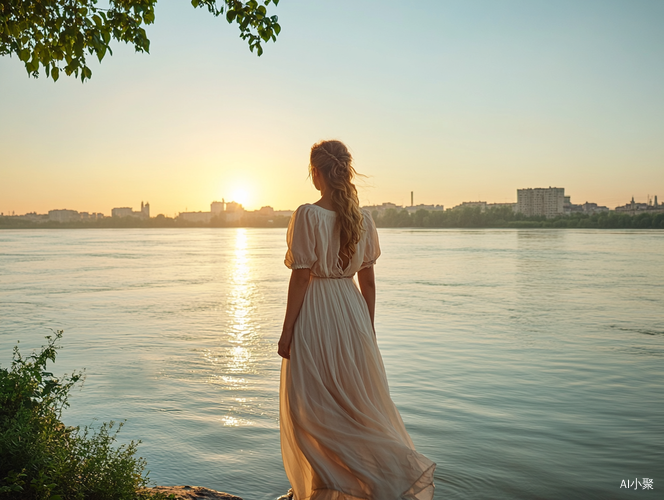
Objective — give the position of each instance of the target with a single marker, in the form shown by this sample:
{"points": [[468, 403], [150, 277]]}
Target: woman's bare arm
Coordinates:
{"points": [[299, 281], [367, 281]]}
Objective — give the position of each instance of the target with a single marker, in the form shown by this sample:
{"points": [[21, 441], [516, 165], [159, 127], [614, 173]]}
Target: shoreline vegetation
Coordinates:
{"points": [[469, 217], [42, 459]]}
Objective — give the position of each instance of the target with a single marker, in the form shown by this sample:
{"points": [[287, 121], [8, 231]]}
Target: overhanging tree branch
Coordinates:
{"points": [[57, 35]]}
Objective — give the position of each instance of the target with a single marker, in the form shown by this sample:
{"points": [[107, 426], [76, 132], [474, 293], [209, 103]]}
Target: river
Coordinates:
{"points": [[525, 363]]}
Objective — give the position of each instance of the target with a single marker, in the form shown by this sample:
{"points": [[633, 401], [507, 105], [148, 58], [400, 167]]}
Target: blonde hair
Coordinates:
{"points": [[335, 163]]}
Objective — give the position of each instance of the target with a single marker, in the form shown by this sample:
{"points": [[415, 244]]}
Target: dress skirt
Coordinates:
{"points": [[342, 437]]}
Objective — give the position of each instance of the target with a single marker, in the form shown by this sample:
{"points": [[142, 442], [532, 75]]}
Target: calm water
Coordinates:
{"points": [[526, 363]]}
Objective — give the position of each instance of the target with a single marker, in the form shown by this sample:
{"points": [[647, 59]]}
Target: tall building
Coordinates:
{"points": [[195, 216], [226, 211], [548, 202], [63, 215], [217, 207], [122, 212], [129, 212], [234, 211]]}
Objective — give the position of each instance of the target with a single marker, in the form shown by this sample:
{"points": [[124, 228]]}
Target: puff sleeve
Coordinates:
{"points": [[300, 237], [372, 248]]}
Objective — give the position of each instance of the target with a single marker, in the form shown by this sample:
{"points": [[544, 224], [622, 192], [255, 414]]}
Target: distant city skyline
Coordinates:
{"points": [[455, 100], [216, 206], [258, 205]]}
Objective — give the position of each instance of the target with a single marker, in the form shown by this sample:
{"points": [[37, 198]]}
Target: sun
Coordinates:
{"points": [[240, 196]]}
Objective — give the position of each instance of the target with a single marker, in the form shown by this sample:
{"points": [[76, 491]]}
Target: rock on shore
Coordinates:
{"points": [[193, 493]]}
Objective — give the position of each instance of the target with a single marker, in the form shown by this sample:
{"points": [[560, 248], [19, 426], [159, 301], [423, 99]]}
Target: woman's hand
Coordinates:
{"points": [[297, 287], [367, 281], [284, 344]]}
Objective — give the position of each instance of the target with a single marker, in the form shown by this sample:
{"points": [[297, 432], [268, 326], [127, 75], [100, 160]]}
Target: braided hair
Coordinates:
{"points": [[334, 162]]}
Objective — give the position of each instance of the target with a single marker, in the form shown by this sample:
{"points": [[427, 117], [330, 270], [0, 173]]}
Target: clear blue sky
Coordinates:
{"points": [[454, 100]]}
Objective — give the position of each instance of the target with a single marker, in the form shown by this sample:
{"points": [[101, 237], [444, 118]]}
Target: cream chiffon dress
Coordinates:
{"points": [[342, 438]]}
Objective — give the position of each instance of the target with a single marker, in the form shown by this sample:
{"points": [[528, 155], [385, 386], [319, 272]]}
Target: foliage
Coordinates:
{"points": [[505, 217], [161, 221], [41, 458], [57, 34], [470, 217]]}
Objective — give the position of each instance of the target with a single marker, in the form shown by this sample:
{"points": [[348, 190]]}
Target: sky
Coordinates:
{"points": [[454, 100]]}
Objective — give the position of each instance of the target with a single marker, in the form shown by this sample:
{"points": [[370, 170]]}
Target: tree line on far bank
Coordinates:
{"points": [[469, 217], [505, 217], [136, 222]]}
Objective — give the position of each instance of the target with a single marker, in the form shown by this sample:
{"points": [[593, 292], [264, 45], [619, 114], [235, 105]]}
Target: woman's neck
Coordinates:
{"points": [[325, 200]]}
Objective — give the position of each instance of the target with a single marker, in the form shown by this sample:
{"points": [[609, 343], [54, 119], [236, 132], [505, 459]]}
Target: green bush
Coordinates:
{"points": [[41, 458]]}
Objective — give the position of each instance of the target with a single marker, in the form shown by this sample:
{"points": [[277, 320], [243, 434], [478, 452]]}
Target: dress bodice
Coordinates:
{"points": [[314, 243]]}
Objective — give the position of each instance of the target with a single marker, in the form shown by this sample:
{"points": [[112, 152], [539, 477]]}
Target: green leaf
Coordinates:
{"points": [[63, 33]]}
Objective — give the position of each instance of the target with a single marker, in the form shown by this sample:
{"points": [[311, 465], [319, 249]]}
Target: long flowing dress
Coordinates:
{"points": [[342, 437]]}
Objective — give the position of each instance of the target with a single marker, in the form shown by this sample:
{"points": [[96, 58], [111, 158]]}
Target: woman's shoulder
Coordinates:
{"points": [[366, 215], [312, 208], [311, 215]]}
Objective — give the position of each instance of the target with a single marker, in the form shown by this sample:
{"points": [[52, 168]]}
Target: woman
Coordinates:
{"points": [[342, 438]]}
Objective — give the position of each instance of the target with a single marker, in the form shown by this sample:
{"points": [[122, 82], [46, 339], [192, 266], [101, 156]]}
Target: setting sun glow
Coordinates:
{"points": [[241, 196]]}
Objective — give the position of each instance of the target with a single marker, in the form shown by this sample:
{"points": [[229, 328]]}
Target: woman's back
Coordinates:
{"points": [[314, 243]]}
